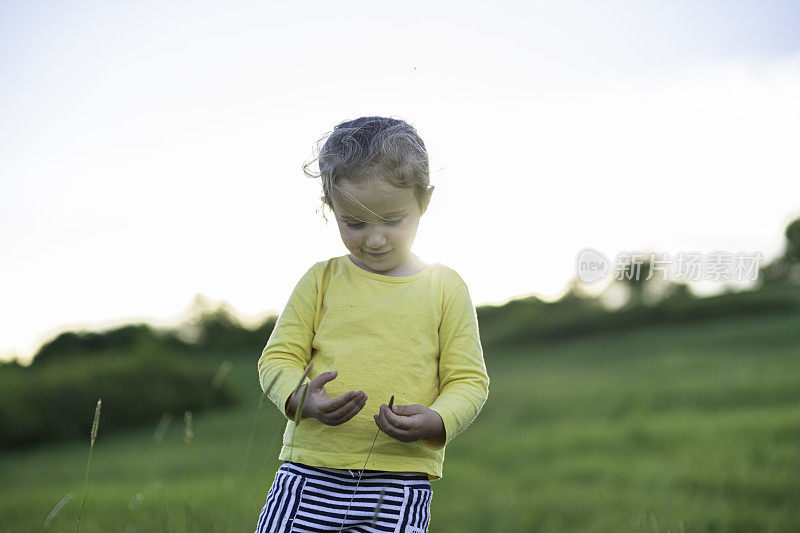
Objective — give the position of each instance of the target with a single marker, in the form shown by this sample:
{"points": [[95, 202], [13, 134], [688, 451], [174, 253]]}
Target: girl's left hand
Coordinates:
{"points": [[408, 423]]}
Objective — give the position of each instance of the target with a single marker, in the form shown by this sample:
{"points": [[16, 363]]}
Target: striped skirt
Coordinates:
{"points": [[314, 499]]}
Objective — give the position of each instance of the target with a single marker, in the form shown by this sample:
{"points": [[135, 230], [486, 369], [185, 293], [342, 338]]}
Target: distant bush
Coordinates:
{"points": [[139, 371], [533, 320], [221, 332], [128, 338], [216, 331], [56, 400]]}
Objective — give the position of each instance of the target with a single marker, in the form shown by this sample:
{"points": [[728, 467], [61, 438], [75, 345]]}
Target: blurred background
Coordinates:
{"points": [[154, 219]]}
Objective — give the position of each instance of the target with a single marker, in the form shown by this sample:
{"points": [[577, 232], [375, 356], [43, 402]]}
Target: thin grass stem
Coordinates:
{"points": [[260, 476], [248, 447], [271, 447], [298, 415], [378, 507], [361, 473], [93, 437]]}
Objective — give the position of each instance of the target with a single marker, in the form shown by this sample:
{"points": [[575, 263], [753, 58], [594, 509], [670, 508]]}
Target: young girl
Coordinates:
{"points": [[375, 323]]}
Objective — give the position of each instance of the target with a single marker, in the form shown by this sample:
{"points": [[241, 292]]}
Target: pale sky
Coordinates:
{"points": [[152, 151]]}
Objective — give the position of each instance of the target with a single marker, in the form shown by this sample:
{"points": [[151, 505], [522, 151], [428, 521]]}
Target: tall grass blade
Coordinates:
{"points": [[249, 445], [260, 476], [219, 376], [269, 453], [378, 507], [654, 522], [298, 415], [361, 473], [303, 377], [92, 438], [138, 498], [64, 501], [223, 369], [187, 512], [161, 428]]}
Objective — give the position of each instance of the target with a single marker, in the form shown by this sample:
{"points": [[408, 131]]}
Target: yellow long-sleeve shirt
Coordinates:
{"points": [[414, 337]]}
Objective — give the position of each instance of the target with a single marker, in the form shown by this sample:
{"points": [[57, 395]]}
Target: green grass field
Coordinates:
{"points": [[680, 428]]}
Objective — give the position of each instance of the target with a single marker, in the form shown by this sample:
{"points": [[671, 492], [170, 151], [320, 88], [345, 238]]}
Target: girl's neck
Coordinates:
{"points": [[412, 265]]}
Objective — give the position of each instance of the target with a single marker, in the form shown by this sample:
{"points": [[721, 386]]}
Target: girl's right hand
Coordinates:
{"points": [[330, 411]]}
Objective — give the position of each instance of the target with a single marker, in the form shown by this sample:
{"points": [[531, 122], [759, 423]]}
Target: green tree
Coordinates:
{"points": [[785, 269]]}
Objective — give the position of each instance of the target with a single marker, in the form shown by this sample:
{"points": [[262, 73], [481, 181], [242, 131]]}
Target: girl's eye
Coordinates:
{"points": [[359, 224]]}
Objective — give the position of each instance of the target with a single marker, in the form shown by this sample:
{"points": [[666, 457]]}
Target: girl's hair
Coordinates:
{"points": [[369, 147]]}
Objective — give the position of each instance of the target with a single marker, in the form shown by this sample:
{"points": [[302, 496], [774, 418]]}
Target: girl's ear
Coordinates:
{"points": [[427, 199]]}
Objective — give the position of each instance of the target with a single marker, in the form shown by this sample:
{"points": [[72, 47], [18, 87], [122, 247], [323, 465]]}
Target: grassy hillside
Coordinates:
{"points": [[694, 426]]}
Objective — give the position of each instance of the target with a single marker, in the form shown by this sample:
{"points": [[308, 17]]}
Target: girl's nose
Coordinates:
{"points": [[376, 240]]}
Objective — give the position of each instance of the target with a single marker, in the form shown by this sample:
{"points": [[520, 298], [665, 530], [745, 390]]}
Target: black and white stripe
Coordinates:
{"points": [[313, 499], [282, 502]]}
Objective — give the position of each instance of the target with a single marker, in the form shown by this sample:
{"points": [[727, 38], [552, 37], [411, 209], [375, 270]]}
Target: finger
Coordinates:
{"points": [[408, 410], [318, 382], [344, 416], [334, 404], [390, 430], [389, 421], [399, 422], [358, 399], [383, 425]]}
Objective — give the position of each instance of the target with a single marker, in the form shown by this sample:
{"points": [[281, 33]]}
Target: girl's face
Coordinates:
{"points": [[378, 223]]}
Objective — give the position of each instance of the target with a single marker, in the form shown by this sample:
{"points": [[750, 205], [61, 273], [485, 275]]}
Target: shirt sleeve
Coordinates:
{"points": [[463, 381], [288, 350]]}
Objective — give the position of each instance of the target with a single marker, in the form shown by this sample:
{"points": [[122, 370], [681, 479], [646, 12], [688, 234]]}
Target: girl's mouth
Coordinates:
{"points": [[377, 256]]}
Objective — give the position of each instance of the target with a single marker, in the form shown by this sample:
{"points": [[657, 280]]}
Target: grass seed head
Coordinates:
{"points": [[96, 421], [188, 430]]}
